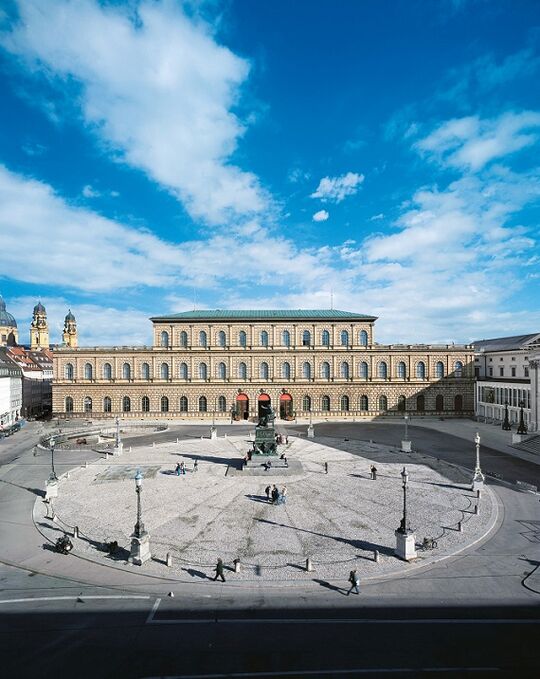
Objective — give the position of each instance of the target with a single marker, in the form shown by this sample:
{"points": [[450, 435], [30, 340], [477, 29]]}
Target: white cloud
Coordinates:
{"points": [[89, 192], [155, 87], [321, 216], [470, 143], [376, 218], [336, 189]]}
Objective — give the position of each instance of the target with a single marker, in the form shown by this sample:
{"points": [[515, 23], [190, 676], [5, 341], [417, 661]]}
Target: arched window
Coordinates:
{"points": [[264, 338], [344, 337], [242, 338], [88, 372], [164, 404], [306, 370], [401, 403], [263, 371], [382, 370], [69, 404], [306, 338], [325, 338], [126, 371], [344, 403], [306, 404], [325, 404], [286, 371], [183, 338], [286, 338], [145, 404], [183, 404], [401, 370], [145, 371], [364, 403], [362, 338], [107, 371], [203, 340], [87, 404], [203, 371], [458, 369], [439, 369], [221, 339], [164, 338], [242, 371], [383, 403], [164, 371], [344, 370], [222, 404], [439, 402], [126, 404], [325, 370], [107, 404], [420, 403], [203, 405], [421, 370], [68, 371], [363, 370], [183, 371], [458, 403], [222, 371]]}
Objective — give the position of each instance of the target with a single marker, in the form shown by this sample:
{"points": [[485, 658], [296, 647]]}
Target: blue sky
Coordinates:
{"points": [[159, 155]]}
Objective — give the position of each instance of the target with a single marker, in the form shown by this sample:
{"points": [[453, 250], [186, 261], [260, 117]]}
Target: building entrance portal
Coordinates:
{"points": [[285, 407], [242, 406], [264, 402]]}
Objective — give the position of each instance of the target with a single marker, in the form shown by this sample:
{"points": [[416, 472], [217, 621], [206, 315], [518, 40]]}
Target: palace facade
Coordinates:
{"points": [[226, 363]]}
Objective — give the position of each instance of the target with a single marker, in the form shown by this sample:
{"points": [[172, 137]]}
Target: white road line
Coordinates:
{"points": [[311, 673], [339, 621], [72, 598], [150, 617]]}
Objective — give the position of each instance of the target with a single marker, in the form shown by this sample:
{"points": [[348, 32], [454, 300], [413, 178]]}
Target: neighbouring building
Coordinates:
{"points": [[10, 392], [507, 374], [37, 373], [226, 363]]}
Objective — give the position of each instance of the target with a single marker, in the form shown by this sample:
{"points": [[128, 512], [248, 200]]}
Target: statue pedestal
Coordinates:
{"points": [[311, 432], [265, 441], [51, 489], [140, 549], [477, 484], [117, 449], [406, 447], [517, 438], [213, 433], [405, 545]]}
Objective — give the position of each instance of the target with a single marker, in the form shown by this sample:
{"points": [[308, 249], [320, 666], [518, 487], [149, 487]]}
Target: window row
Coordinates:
{"points": [[325, 404], [263, 338], [263, 372]]}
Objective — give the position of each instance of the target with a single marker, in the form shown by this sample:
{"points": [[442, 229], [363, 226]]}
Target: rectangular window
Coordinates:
{"points": [[501, 371], [490, 372], [526, 372], [477, 372], [513, 371]]}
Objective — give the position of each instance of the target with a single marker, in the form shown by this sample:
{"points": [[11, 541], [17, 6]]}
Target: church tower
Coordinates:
{"points": [[39, 328], [69, 336]]}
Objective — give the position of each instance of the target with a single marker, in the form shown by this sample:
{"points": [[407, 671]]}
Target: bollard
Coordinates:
{"points": [[479, 493], [171, 594], [177, 440], [86, 464], [376, 557], [476, 509], [309, 565], [129, 451], [460, 527], [67, 475], [75, 531], [236, 563], [168, 560], [153, 444], [106, 454]]}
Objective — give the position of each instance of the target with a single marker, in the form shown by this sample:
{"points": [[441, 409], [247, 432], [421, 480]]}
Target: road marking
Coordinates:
{"points": [[150, 617], [72, 598], [312, 673]]}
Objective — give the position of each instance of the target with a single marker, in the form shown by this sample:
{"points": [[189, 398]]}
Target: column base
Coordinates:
{"points": [[51, 489], [405, 545], [311, 432], [477, 484], [140, 549], [406, 447], [118, 449], [213, 433]]}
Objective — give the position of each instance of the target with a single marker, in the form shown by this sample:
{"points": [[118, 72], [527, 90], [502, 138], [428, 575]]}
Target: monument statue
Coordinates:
{"points": [[265, 434]]}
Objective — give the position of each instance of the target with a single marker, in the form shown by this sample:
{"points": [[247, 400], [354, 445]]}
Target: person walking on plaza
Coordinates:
{"points": [[283, 494], [355, 582], [177, 469], [219, 570], [267, 491], [182, 468], [326, 467], [196, 466], [373, 472], [275, 494]]}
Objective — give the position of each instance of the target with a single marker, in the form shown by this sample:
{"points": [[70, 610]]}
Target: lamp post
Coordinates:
{"points": [[140, 540], [139, 526], [405, 537], [117, 440], [118, 448], [53, 476], [406, 443], [478, 478], [310, 429], [506, 424], [405, 479], [522, 428], [406, 418]]}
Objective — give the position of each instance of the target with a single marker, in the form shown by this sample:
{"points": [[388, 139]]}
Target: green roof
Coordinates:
{"points": [[264, 314]]}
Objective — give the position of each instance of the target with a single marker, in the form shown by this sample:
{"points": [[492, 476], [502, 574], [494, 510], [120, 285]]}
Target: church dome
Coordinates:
{"points": [[69, 317], [39, 308], [6, 319]]}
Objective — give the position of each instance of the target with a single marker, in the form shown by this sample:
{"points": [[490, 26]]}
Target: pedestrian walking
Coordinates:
{"points": [[326, 467], [219, 570], [177, 469], [284, 494], [286, 440], [373, 472], [275, 494], [182, 467], [355, 582], [196, 466], [267, 491]]}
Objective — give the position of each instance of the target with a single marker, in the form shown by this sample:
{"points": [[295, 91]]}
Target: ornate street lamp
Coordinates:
{"points": [[140, 540], [53, 476], [406, 418], [139, 526], [478, 478], [406, 443], [506, 424], [405, 479], [522, 428], [405, 537], [117, 443]]}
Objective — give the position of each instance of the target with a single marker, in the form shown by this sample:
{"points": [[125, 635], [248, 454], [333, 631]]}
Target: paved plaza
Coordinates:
{"points": [[337, 519]]}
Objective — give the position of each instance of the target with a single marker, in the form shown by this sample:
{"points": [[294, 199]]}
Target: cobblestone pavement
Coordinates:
{"points": [[337, 519]]}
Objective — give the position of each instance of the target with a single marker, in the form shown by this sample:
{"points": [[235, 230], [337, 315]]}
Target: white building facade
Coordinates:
{"points": [[10, 392]]}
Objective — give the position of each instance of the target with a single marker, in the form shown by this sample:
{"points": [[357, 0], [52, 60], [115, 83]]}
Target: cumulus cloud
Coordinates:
{"points": [[321, 216], [158, 91], [470, 143], [336, 189]]}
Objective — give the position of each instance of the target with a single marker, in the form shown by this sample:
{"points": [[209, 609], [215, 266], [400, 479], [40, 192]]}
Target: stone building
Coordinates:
{"points": [[225, 363]]}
